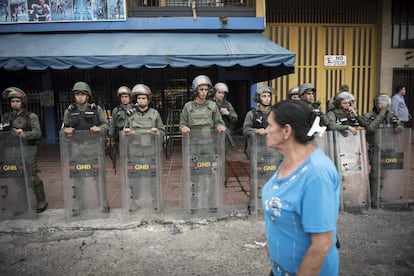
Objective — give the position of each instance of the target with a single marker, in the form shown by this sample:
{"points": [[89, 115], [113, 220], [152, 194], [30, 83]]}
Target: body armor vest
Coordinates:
{"points": [[143, 121], [224, 104], [390, 120], [84, 120], [259, 118], [201, 116], [18, 121], [119, 118], [345, 119]]}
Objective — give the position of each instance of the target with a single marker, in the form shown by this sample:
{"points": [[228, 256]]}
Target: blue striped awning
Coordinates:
{"points": [[36, 51]]}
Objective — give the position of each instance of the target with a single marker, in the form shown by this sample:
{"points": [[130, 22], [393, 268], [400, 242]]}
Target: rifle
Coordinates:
{"points": [[110, 147]]}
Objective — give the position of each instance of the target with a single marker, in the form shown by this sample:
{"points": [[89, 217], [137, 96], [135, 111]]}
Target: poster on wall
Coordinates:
{"points": [[24, 11]]}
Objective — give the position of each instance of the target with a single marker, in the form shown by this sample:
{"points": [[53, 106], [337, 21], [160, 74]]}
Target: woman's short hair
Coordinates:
{"points": [[298, 114]]}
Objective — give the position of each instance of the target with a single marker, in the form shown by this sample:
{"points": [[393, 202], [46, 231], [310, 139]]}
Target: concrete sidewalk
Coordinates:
{"points": [[237, 184]]}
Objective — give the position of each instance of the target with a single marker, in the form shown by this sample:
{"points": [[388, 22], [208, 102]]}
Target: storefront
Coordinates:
{"points": [[46, 65]]}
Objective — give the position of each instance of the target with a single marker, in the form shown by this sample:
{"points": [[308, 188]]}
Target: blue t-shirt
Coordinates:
{"points": [[302, 203]]}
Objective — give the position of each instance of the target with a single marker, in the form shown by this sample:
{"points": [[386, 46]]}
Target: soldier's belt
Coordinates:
{"points": [[202, 127]]}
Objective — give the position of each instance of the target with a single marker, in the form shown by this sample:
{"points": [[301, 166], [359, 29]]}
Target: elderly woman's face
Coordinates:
{"points": [[275, 133]]}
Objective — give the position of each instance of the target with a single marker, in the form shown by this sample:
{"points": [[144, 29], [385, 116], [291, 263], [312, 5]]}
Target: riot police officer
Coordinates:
{"points": [[380, 117], [255, 121], [85, 115], [25, 124], [118, 121], [260, 156], [144, 130], [202, 117], [119, 113], [307, 93], [227, 111], [141, 117], [201, 113], [293, 93], [228, 114], [344, 116]]}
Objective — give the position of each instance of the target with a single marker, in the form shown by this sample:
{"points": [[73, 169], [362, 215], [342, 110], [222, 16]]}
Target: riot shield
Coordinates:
{"points": [[264, 162], [203, 170], [325, 144], [141, 174], [83, 166], [16, 193], [392, 159], [352, 162]]}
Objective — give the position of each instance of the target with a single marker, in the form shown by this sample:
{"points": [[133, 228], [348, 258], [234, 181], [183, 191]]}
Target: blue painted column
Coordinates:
{"points": [[252, 94], [47, 100]]}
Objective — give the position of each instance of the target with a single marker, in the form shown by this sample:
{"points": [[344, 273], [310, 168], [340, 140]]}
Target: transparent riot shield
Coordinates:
{"points": [[141, 175], [203, 171], [352, 162], [391, 167], [263, 163], [324, 143], [83, 166], [16, 193]]}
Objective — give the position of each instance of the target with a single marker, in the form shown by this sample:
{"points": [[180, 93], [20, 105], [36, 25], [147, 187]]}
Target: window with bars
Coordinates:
{"points": [[322, 11], [188, 3], [402, 24]]}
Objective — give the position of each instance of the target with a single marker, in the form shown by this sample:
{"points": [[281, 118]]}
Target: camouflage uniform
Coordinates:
{"points": [[119, 114], [232, 117], [315, 105], [119, 118], [201, 116], [339, 118], [142, 147], [204, 117], [83, 118], [29, 123], [142, 122], [374, 122], [256, 150]]}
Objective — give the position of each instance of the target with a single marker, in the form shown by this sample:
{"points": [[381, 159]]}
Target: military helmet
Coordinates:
{"points": [[260, 90], [343, 96], [306, 86], [14, 92], [82, 87], [293, 91], [123, 90], [381, 100], [141, 89], [200, 80], [344, 88], [220, 86]]}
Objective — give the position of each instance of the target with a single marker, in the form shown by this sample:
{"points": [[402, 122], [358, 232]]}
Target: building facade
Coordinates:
{"points": [[368, 45], [163, 44]]}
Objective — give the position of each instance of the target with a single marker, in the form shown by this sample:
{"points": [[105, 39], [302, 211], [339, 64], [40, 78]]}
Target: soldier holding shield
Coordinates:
{"points": [[84, 126], [140, 147], [26, 125], [199, 118]]}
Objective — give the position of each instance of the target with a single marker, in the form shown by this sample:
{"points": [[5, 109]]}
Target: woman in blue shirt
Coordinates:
{"points": [[301, 200]]}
